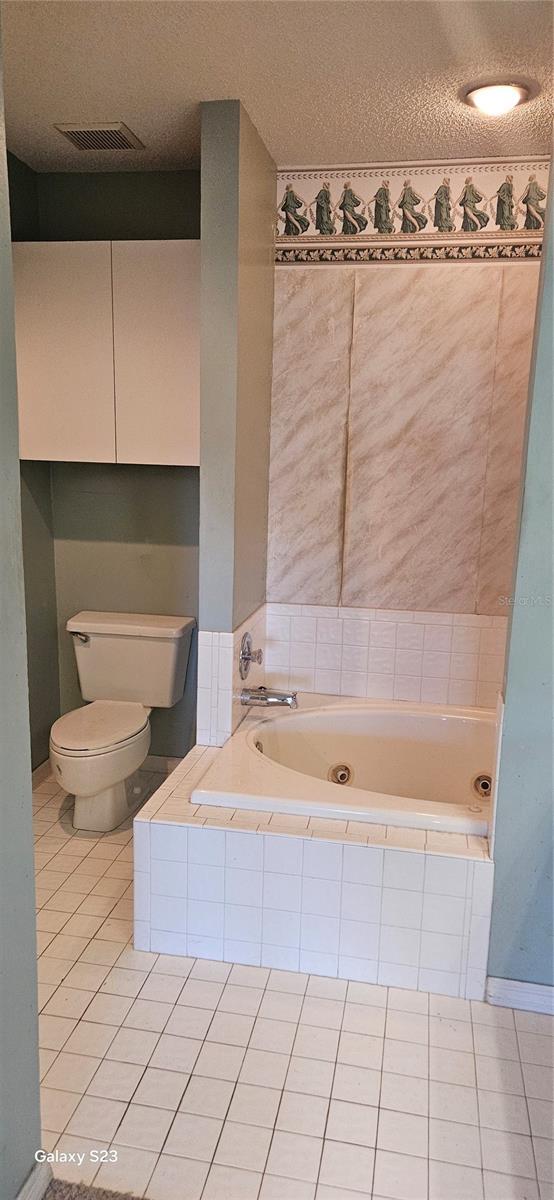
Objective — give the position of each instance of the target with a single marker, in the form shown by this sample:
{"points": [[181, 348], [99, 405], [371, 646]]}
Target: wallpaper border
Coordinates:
{"points": [[412, 212], [464, 252]]}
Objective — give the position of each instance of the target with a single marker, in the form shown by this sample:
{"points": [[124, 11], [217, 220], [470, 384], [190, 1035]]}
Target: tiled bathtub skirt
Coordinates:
{"points": [[413, 919], [437, 658]]}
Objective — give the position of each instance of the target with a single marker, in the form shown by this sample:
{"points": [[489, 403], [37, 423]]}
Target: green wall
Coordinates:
{"points": [[236, 357], [19, 1087], [40, 604], [24, 210], [522, 944], [70, 206], [118, 205], [126, 539], [107, 537]]}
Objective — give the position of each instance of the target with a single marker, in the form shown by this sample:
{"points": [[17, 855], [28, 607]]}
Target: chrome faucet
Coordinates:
{"points": [[266, 698]]}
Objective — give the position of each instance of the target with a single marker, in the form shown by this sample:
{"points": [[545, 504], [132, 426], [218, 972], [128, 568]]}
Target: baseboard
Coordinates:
{"points": [[42, 771], [159, 762], [512, 993], [36, 1183]]}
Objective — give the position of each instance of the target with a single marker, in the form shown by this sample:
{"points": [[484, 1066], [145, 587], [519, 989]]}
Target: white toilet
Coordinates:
{"points": [[128, 664]]}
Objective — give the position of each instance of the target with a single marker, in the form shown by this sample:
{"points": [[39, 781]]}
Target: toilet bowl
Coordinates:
{"points": [[93, 751]]}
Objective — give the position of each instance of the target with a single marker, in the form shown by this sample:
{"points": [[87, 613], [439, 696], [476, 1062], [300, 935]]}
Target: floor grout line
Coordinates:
{"points": [[115, 862]]}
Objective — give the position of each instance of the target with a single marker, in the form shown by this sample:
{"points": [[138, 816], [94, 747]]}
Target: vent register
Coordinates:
{"points": [[111, 135]]}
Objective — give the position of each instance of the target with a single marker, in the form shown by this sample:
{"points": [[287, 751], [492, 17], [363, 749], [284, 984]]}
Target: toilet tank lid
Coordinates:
{"points": [[130, 624]]}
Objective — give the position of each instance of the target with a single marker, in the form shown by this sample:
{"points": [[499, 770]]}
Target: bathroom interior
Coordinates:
{"points": [[277, 516]]}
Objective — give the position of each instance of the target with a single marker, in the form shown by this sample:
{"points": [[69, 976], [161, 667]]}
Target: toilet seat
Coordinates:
{"points": [[99, 727]]}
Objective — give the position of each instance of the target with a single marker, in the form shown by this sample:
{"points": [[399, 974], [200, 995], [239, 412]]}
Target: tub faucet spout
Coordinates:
{"points": [[267, 698]]}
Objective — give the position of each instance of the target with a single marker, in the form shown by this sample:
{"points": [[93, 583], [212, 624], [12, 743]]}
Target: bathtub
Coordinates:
{"points": [[385, 762]]}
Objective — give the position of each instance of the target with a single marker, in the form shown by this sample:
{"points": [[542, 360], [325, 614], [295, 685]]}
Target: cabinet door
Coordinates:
{"points": [[64, 343], [156, 294]]}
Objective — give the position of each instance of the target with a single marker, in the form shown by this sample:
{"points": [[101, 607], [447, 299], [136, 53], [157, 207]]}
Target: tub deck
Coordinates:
{"points": [[244, 778]]}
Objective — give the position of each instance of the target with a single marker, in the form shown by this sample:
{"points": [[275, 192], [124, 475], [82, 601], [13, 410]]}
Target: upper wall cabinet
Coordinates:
{"points": [[156, 308], [107, 338], [63, 321]]}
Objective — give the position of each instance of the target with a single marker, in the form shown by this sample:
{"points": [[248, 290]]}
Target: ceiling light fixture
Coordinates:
{"points": [[495, 99]]}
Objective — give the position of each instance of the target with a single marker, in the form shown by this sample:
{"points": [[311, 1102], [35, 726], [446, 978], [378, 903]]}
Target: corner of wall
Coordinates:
{"points": [[236, 356], [521, 932]]}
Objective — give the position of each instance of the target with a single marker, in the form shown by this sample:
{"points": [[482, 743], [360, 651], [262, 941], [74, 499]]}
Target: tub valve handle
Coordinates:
{"points": [[248, 655]]}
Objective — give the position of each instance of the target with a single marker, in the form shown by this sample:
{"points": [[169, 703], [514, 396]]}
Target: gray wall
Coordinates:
{"points": [[24, 211], [126, 539], [238, 213], [119, 204], [125, 535], [256, 276], [521, 944], [19, 1089], [40, 604], [76, 206], [107, 537]]}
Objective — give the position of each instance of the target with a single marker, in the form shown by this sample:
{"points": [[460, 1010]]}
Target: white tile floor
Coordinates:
{"points": [[220, 1082]]}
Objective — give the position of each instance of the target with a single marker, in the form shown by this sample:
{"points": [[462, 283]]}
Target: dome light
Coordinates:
{"points": [[497, 98]]}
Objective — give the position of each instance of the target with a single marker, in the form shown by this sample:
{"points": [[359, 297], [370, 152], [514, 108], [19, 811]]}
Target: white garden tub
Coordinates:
{"points": [[414, 765]]}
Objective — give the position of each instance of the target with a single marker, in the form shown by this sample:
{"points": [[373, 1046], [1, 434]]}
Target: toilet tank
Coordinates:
{"points": [[131, 656]]}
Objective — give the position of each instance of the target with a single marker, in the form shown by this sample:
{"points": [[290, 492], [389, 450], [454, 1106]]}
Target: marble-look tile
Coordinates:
{"points": [[422, 377], [506, 434], [312, 335]]}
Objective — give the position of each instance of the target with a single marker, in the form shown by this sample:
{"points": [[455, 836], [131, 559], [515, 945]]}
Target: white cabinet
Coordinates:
{"points": [[64, 338], [156, 310], [107, 339]]}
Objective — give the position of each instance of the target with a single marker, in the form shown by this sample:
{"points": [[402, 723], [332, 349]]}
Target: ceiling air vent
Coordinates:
{"points": [[111, 135]]}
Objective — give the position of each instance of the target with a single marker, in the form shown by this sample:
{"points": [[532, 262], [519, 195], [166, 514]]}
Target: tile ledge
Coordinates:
{"points": [[172, 809]]}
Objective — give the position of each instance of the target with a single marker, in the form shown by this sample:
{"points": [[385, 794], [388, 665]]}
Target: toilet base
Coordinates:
{"points": [[102, 812], [107, 809]]}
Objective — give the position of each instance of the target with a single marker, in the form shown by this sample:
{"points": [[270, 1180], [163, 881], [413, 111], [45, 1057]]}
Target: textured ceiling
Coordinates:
{"points": [[368, 81]]}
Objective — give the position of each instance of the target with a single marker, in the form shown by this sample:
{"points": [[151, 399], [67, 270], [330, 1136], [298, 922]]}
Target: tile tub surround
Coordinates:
{"points": [[409, 909], [432, 422], [217, 1080], [219, 684], [214, 696], [433, 657], [436, 658]]}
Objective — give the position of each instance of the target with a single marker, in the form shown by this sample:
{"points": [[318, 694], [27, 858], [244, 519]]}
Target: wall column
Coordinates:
{"points": [[521, 945], [237, 229], [19, 1083]]}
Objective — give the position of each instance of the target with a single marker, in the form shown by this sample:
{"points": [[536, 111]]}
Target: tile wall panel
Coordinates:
{"points": [[313, 330], [506, 434], [422, 377], [440, 360]]}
